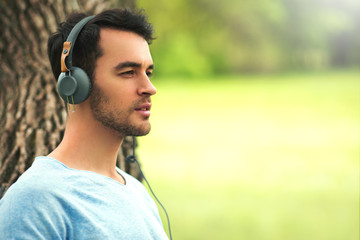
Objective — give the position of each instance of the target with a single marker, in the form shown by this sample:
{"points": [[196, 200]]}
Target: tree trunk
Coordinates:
{"points": [[32, 116]]}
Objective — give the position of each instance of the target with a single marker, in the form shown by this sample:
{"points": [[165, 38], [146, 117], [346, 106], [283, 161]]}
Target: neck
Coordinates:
{"points": [[89, 146]]}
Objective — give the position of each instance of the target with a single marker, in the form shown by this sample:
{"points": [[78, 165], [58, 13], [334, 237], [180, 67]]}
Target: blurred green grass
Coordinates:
{"points": [[257, 157]]}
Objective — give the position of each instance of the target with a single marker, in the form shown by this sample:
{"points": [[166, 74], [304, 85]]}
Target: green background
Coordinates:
{"points": [[257, 157], [197, 38], [255, 125]]}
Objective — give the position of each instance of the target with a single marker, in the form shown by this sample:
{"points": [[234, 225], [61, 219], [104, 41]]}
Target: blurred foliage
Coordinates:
{"points": [[205, 37], [257, 157]]}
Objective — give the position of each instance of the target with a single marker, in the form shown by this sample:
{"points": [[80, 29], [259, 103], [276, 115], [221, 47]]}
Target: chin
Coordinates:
{"points": [[142, 130]]}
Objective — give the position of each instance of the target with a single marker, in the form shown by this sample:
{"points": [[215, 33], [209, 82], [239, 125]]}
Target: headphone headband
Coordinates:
{"points": [[66, 55]]}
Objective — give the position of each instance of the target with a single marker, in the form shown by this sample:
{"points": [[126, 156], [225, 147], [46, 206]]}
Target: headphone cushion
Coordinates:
{"points": [[79, 80]]}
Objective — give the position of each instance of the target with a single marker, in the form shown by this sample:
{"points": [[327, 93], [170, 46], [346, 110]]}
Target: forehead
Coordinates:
{"points": [[121, 45]]}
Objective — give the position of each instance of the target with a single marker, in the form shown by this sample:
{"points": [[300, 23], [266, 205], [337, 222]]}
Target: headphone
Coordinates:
{"points": [[73, 83]]}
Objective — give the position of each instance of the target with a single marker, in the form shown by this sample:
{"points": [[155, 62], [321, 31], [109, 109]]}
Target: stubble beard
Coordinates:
{"points": [[114, 119]]}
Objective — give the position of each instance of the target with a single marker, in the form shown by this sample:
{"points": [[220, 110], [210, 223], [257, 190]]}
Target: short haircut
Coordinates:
{"points": [[87, 50]]}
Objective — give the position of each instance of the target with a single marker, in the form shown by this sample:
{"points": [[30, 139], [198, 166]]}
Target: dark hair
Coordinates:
{"points": [[86, 50]]}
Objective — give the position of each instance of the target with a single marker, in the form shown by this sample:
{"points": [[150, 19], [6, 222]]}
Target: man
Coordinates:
{"points": [[77, 192]]}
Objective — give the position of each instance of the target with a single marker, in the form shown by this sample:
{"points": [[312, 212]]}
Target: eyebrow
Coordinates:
{"points": [[123, 65]]}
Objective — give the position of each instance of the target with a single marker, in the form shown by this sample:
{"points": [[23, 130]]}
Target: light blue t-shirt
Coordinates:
{"points": [[51, 201]]}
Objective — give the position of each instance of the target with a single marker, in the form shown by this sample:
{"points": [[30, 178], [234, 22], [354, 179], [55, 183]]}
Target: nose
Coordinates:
{"points": [[147, 88]]}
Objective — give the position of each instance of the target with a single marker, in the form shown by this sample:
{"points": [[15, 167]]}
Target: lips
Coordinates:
{"points": [[144, 110], [144, 107]]}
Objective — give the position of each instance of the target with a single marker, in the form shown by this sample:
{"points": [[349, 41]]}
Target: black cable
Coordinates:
{"points": [[133, 159]]}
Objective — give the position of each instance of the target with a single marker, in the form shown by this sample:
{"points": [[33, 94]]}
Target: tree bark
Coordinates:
{"points": [[32, 116]]}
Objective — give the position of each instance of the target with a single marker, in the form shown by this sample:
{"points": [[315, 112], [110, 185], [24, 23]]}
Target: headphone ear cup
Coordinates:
{"points": [[75, 84]]}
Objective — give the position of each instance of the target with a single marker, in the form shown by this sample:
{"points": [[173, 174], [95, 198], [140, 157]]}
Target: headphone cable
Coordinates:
{"points": [[132, 159]]}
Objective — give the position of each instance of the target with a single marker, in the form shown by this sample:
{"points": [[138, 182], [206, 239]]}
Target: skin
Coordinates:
{"points": [[94, 133]]}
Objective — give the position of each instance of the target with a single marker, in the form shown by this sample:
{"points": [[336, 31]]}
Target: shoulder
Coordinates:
{"points": [[35, 188], [31, 207], [43, 176]]}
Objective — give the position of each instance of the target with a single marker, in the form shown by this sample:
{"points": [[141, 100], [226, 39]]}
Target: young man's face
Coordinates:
{"points": [[120, 97]]}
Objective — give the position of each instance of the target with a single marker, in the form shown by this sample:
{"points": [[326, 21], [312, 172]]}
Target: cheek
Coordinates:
{"points": [[120, 92], [120, 96]]}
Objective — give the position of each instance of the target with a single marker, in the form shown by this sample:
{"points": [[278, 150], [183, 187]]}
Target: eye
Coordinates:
{"points": [[149, 74], [127, 73]]}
